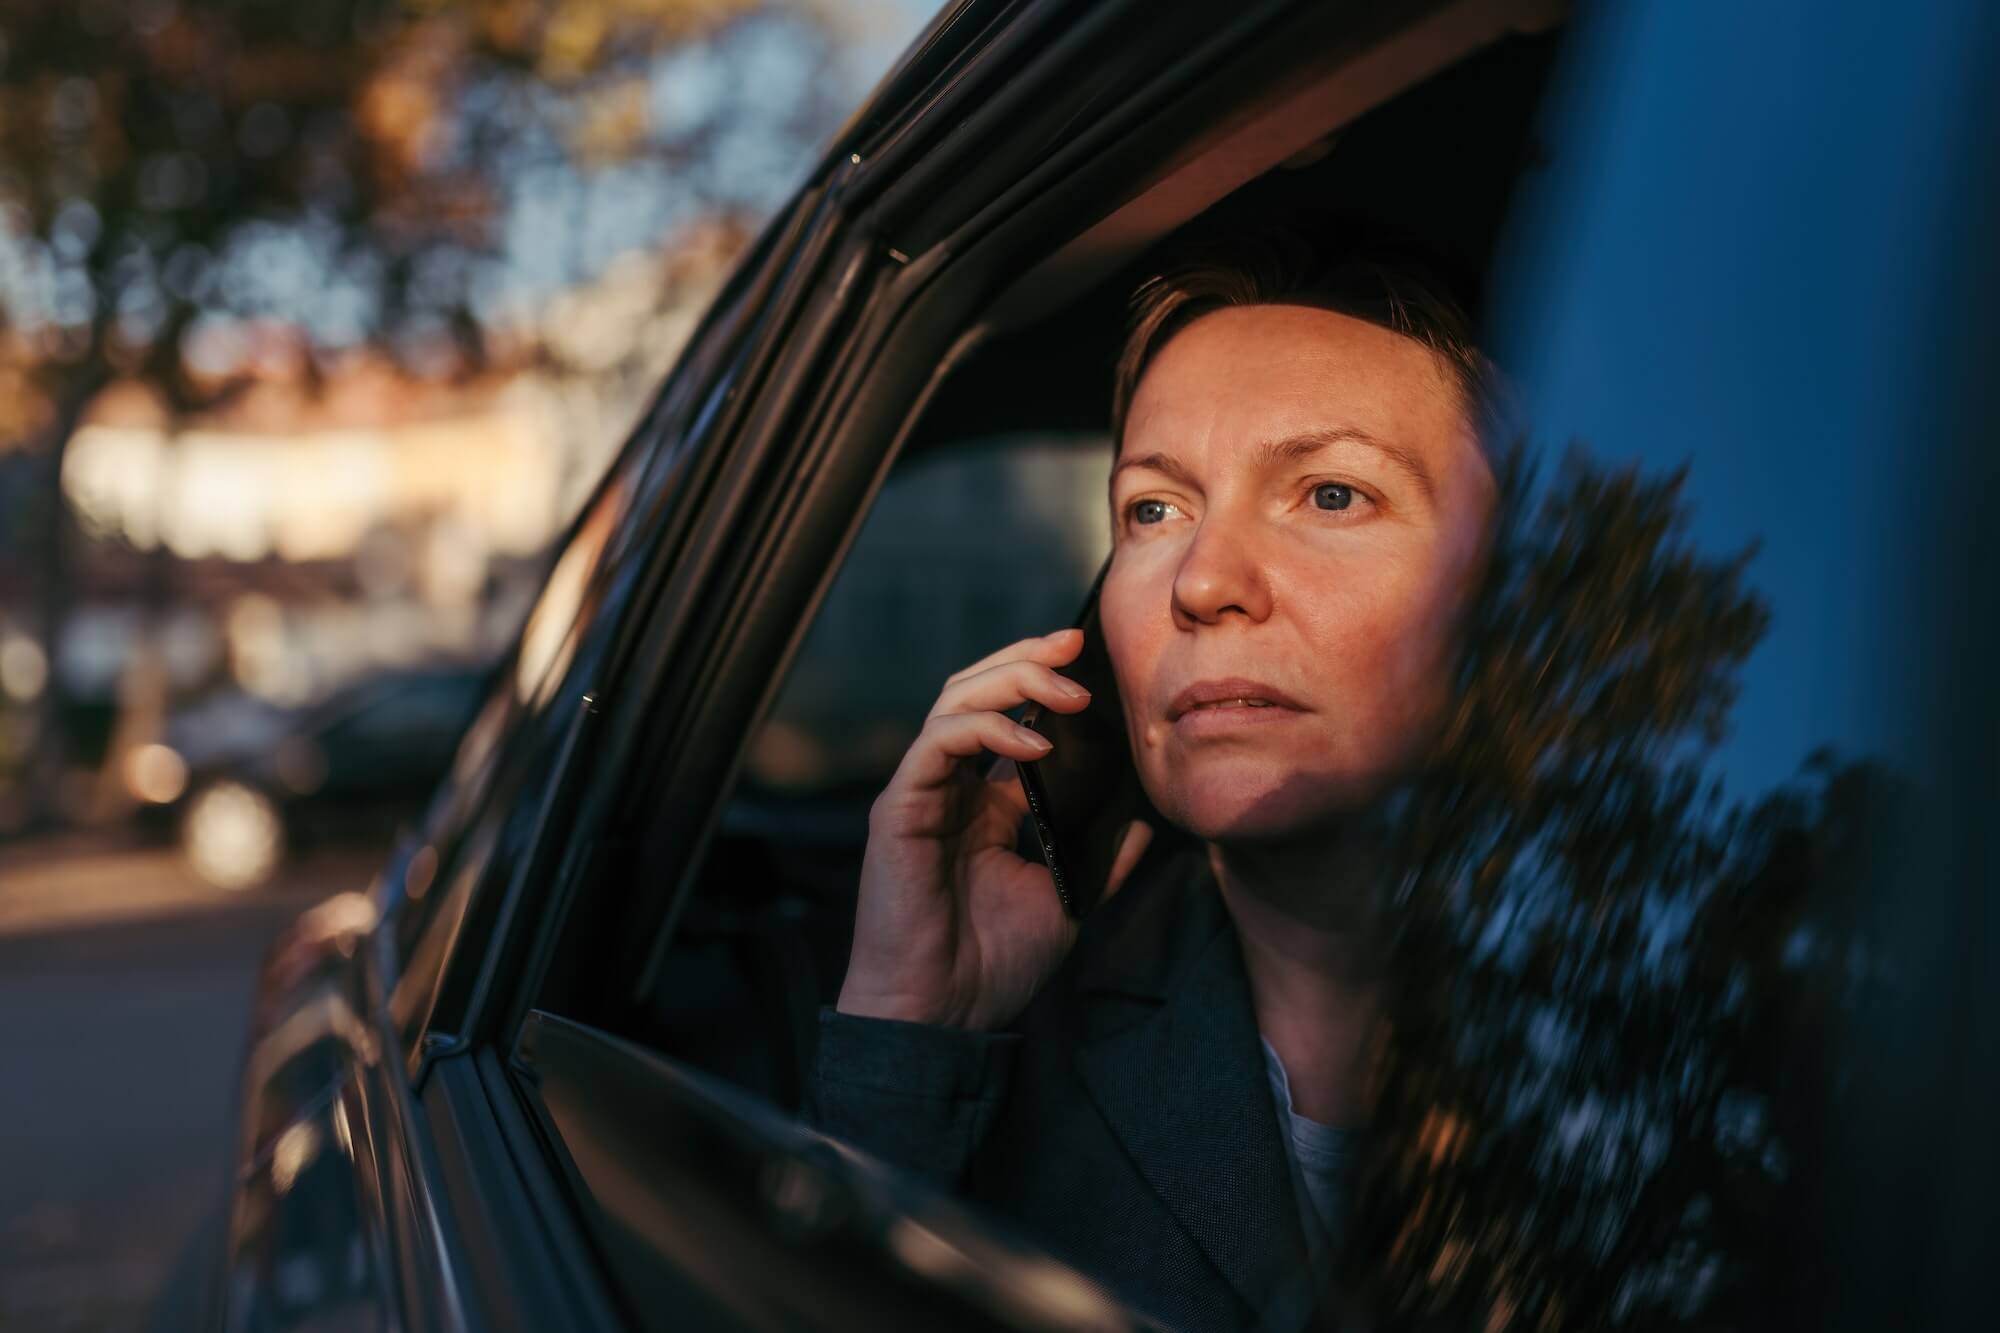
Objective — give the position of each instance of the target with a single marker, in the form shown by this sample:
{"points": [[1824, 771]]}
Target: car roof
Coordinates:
{"points": [[1354, 184]]}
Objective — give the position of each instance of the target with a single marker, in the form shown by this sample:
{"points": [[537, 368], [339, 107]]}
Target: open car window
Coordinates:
{"points": [[972, 545]]}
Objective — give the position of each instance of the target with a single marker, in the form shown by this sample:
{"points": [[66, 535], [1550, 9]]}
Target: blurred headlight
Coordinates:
{"points": [[155, 774], [233, 835]]}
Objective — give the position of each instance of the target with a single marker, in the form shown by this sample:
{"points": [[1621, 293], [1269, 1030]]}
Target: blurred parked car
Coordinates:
{"points": [[241, 783], [543, 1076]]}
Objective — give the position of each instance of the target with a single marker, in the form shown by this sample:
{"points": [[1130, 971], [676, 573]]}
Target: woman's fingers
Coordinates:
{"points": [[949, 738], [1007, 684], [968, 721], [1049, 649]]}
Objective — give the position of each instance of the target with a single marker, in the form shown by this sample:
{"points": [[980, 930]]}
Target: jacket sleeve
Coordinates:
{"points": [[916, 1096]]}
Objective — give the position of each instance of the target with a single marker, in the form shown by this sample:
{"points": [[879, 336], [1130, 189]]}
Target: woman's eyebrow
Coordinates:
{"points": [[1165, 464], [1298, 447], [1293, 449]]}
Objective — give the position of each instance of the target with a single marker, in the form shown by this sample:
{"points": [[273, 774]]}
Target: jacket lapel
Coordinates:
{"points": [[1184, 1089]]}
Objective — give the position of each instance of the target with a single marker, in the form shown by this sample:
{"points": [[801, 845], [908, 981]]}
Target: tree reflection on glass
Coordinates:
{"points": [[1614, 992]]}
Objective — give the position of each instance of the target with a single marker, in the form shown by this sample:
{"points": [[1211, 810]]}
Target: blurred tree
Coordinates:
{"points": [[194, 192], [1614, 997]]}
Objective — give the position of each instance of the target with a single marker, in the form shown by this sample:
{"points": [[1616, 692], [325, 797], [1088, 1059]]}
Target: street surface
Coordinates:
{"points": [[124, 989]]}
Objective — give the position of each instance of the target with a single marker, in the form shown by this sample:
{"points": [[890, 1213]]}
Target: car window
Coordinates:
{"points": [[1643, 918], [969, 547], [484, 815]]}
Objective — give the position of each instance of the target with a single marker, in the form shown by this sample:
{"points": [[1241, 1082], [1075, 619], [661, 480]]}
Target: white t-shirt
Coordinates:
{"points": [[1322, 1160]]}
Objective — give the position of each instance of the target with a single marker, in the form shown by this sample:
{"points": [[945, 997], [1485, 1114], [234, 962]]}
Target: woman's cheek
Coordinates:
{"points": [[1413, 669], [1122, 614], [1380, 646]]}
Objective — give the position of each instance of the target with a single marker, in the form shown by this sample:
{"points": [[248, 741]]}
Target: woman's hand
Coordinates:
{"points": [[952, 927]]}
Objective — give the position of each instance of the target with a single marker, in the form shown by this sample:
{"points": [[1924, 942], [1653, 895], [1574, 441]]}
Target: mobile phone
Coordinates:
{"points": [[1084, 794]]}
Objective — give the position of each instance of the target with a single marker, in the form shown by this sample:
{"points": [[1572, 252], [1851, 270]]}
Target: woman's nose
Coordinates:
{"points": [[1219, 576]]}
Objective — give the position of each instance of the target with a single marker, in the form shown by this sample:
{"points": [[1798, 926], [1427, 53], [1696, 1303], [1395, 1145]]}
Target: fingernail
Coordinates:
{"points": [[1071, 688], [1034, 738]]}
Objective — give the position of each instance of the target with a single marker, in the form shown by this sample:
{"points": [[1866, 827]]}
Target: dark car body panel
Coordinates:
{"points": [[333, 1220]]}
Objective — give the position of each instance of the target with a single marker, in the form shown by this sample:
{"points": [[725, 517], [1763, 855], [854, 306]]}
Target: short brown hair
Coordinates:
{"points": [[1276, 266]]}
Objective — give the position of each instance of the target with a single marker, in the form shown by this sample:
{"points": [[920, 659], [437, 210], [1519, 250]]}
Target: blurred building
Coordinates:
{"points": [[320, 525], [300, 539]]}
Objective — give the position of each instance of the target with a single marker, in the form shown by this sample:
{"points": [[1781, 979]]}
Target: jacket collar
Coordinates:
{"points": [[1172, 1057]]}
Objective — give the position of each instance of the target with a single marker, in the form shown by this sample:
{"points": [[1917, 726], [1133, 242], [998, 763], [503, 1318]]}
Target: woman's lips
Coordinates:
{"points": [[1221, 719], [1215, 706]]}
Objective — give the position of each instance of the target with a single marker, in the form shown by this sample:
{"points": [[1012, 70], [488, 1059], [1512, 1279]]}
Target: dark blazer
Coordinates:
{"points": [[1125, 1121]]}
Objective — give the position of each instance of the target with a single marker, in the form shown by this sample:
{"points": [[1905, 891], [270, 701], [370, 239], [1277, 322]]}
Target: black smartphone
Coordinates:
{"points": [[1084, 794]]}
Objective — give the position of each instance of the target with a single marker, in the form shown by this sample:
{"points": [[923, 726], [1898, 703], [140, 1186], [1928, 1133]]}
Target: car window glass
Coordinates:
{"points": [[434, 915], [549, 635], [969, 548], [499, 763], [1637, 926]]}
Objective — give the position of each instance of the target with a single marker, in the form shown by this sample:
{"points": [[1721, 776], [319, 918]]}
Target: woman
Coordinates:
{"points": [[1163, 1099]]}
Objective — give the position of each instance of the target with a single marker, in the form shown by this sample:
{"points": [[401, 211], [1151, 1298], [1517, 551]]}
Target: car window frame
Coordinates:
{"points": [[679, 548], [665, 467]]}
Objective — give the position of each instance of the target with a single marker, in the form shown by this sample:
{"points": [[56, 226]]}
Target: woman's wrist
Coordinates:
{"points": [[864, 1002]]}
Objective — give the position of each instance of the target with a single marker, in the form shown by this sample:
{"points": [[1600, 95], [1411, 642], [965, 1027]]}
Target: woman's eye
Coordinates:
{"points": [[1333, 495], [1150, 511]]}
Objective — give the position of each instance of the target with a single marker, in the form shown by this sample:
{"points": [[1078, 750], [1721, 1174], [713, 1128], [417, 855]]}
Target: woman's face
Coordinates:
{"points": [[1298, 508]]}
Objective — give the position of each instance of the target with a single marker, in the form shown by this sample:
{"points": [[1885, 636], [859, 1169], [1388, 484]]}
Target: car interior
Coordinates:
{"points": [[993, 522]]}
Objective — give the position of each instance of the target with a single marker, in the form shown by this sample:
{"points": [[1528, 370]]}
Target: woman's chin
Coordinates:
{"points": [[1243, 807], [1233, 816]]}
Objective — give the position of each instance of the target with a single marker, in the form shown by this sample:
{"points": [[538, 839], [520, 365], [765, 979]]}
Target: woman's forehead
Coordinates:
{"points": [[1237, 380]]}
